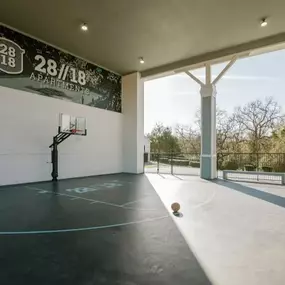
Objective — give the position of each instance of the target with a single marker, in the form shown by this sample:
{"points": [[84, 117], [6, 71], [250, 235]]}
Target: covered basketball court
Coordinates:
{"points": [[71, 107]]}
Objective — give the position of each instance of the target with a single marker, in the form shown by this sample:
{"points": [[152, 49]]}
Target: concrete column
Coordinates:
{"points": [[133, 123], [208, 161]]}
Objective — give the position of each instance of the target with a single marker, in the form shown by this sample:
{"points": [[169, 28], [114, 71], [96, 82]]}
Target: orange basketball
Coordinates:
{"points": [[175, 207]]}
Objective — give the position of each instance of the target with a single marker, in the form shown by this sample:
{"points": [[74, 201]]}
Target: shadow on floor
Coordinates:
{"points": [[173, 175], [161, 175], [177, 177], [169, 173], [268, 197]]}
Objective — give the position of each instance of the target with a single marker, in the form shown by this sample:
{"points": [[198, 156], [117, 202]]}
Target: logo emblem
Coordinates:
{"points": [[11, 57]]}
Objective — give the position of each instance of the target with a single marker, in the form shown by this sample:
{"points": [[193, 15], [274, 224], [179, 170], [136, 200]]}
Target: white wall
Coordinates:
{"points": [[28, 123]]}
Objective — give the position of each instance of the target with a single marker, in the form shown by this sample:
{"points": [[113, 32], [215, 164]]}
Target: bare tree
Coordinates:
{"points": [[189, 138], [227, 128], [258, 120], [224, 125]]}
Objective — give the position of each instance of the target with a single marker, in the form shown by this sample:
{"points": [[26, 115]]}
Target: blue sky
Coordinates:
{"points": [[174, 99]]}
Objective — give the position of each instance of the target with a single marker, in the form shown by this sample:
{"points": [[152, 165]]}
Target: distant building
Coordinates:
{"points": [[146, 149]]}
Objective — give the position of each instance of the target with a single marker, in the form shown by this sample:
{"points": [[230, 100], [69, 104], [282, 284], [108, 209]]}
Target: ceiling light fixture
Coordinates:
{"points": [[263, 22], [141, 60], [84, 27]]}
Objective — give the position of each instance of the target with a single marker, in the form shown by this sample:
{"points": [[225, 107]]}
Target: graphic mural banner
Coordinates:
{"points": [[30, 65]]}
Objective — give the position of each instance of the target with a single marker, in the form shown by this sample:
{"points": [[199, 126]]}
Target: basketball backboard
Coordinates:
{"points": [[74, 125]]}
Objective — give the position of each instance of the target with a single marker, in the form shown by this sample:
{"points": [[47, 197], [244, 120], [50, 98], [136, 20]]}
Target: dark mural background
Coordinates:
{"points": [[29, 65]]}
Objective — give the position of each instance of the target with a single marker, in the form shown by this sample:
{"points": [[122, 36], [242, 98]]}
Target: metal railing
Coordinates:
{"points": [[189, 163], [255, 176], [267, 162]]}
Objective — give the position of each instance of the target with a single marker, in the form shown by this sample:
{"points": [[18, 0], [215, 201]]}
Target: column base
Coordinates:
{"points": [[208, 167]]}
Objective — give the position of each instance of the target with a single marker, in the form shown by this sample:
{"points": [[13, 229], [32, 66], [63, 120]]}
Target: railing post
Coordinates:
{"points": [[157, 170], [218, 161], [283, 179], [257, 166], [171, 162], [256, 162], [144, 160]]}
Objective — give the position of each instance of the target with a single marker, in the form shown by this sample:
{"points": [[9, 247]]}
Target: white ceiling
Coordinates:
{"points": [[167, 33]]}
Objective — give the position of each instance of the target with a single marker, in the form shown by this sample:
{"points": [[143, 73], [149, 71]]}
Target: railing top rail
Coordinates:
{"points": [[254, 172], [228, 153]]}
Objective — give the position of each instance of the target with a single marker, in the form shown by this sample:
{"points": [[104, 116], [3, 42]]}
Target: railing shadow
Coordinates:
{"points": [[268, 197]]}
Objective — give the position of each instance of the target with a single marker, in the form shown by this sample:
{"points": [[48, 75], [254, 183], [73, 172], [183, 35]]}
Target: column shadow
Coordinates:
{"points": [[265, 196], [161, 175], [177, 177]]}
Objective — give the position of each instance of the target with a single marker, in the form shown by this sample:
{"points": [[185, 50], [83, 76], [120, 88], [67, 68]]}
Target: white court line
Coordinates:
{"points": [[209, 200], [90, 200], [139, 209], [76, 197], [128, 203], [83, 229]]}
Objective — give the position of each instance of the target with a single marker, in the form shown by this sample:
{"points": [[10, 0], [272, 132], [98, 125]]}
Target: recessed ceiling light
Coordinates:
{"points": [[263, 22], [141, 60], [84, 27]]}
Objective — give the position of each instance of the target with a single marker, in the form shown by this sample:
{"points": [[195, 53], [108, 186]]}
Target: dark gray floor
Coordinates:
{"points": [[102, 230]]}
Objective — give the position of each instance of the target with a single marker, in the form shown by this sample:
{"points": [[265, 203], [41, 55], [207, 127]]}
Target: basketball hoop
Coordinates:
{"points": [[72, 125]]}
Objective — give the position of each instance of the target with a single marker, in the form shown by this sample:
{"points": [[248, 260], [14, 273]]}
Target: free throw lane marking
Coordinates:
{"points": [[90, 200], [135, 201], [72, 196]]}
